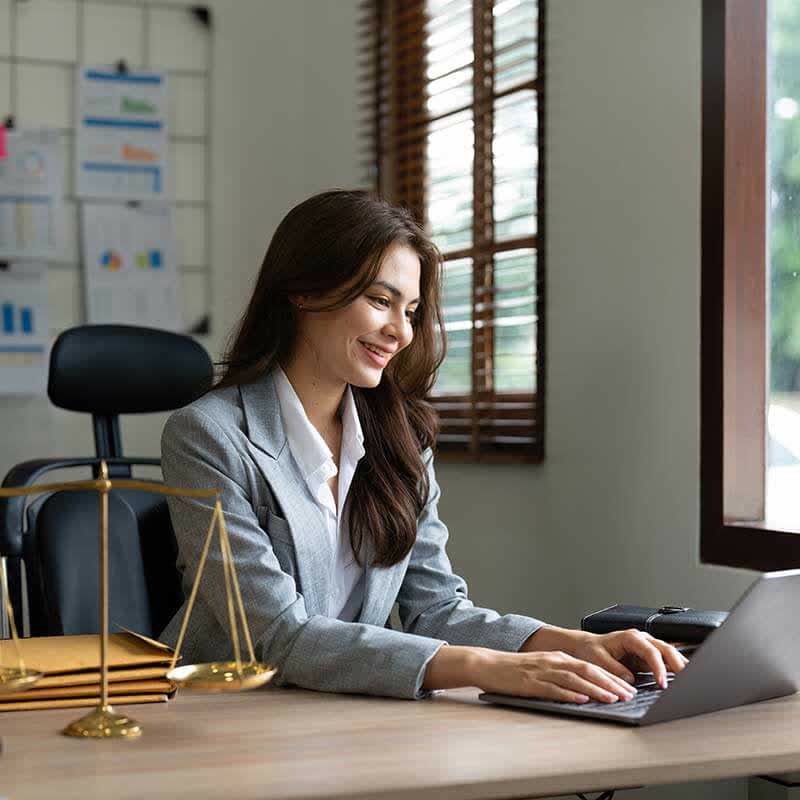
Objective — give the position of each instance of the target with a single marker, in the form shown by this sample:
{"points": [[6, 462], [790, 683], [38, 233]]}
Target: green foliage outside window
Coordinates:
{"points": [[784, 193]]}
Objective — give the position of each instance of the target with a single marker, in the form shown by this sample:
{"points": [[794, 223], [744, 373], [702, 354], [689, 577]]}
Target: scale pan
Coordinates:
{"points": [[221, 676], [13, 679]]}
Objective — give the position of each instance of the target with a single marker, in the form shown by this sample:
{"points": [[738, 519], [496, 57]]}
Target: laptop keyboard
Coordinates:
{"points": [[648, 691]]}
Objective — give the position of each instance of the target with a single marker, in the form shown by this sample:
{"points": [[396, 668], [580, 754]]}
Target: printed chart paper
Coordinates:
{"points": [[129, 262], [122, 140], [32, 196], [24, 329]]}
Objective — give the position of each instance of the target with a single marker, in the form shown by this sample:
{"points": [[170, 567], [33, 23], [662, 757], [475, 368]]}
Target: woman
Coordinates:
{"points": [[320, 438]]}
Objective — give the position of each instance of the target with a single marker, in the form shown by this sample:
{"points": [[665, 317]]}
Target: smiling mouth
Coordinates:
{"points": [[378, 359]]}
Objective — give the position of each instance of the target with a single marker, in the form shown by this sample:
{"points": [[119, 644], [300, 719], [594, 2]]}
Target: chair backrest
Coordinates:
{"points": [[104, 370], [62, 564], [108, 370], [66, 540]]}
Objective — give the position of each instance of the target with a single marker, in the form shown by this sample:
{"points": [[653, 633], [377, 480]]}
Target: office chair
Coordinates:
{"points": [[105, 371]]}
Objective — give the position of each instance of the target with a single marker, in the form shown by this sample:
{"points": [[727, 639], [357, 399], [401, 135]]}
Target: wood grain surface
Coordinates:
{"points": [[280, 743]]}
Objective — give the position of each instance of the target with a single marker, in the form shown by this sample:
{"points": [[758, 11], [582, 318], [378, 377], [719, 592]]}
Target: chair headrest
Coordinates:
{"points": [[123, 369]]}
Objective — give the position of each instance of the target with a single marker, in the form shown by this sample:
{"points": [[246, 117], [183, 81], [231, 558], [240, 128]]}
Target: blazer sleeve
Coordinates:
{"points": [[315, 652], [433, 600]]}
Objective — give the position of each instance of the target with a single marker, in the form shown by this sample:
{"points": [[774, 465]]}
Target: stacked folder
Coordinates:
{"points": [[71, 666]]}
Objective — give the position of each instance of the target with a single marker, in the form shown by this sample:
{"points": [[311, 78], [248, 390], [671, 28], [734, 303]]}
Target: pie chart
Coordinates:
{"points": [[111, 260]]}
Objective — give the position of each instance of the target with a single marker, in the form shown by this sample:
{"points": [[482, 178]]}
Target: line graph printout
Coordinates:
{"points": [[24, 329], [32, 196], [129, 263], [122, 139]]}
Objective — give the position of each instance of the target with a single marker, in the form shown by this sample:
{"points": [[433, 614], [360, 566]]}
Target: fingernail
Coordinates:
{"points": [[582, 698]]}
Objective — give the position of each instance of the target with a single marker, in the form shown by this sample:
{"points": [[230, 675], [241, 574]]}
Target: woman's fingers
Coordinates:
{"points": [[675, 661], [639, 650], [589, 679], [641, 645], [552, 691], [602, 677], [610, 664], [596, 687]]}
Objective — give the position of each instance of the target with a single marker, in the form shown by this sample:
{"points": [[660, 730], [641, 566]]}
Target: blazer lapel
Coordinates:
{"points": [[307, 523]]}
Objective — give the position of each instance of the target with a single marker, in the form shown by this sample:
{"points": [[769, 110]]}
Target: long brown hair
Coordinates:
{"points": [[334, 243]]}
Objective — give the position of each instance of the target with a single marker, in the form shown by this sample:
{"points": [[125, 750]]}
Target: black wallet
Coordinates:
{"points": [[671, 623]]}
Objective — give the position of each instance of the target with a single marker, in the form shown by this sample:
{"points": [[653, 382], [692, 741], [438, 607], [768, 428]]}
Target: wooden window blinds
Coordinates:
{"points": [[452, 94]]}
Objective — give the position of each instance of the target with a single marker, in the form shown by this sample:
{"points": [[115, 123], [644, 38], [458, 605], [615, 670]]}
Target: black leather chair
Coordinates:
{"points": [[105, 371]]}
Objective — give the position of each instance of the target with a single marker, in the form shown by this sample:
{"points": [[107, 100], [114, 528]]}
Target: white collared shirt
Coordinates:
{"points": [[315, 461]]}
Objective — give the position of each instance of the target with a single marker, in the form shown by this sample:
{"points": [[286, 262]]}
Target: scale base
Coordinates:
{"points": [[104, 723]]}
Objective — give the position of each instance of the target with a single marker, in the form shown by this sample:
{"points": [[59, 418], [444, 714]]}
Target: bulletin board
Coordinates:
{"points": [[41, 44]]}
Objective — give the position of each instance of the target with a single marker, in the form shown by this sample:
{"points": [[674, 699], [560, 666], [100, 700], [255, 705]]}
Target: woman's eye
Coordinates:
{"points": [[382, 301]]}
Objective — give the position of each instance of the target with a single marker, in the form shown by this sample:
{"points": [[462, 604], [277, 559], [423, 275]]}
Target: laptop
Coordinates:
{"points": [[754, 655]]}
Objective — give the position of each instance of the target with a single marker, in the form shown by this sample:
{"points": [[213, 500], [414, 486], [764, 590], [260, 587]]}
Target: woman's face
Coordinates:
{"points": [[340, 346]]}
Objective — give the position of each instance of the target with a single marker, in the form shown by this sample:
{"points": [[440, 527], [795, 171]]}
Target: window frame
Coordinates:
{"points": [[394, 180], [734, 316]]}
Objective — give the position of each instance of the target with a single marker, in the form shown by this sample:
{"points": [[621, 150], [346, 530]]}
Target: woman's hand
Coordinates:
{"points": [[558, 664], [618, 652], [552, 675]]}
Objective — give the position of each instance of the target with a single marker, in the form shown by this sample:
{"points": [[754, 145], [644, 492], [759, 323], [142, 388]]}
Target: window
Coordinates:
{"points": [[453, 94], [750, 247], [783, 234]]}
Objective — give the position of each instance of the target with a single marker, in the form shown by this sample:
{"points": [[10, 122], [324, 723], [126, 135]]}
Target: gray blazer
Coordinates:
{"points": [[233, 439]]}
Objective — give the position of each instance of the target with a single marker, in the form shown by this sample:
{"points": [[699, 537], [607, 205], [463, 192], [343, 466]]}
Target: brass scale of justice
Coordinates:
{"points": [[103, 722]]}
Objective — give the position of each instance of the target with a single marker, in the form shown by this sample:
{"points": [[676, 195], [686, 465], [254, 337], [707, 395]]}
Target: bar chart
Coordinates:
{"points": [[24, 330], [17, 319]]}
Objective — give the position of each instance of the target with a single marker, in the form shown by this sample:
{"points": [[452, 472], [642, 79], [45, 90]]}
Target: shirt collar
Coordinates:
{"points": [[352, 435], [309, 449]]}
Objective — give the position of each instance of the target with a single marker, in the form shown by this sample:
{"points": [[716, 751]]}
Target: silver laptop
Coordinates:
{"points": [[754, 655]]}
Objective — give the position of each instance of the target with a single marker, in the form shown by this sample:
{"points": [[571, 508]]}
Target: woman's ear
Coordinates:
{"points": [[298, 300]]}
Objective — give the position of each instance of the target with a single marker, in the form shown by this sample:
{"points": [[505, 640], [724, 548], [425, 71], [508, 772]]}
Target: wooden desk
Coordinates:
{"points": [[291, 744]]}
